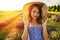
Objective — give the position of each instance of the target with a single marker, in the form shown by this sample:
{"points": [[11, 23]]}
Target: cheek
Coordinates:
{"points": [[38, 15], [32, 14]]}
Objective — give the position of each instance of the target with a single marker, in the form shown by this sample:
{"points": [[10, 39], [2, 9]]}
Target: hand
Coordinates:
{"points": [[25, 20], [45, 22]]}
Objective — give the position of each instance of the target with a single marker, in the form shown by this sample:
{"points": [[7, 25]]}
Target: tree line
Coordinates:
{"points": [[55, 8]]}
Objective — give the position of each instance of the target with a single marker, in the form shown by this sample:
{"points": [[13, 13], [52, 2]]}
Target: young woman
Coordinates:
{"points": [[35, 26]]}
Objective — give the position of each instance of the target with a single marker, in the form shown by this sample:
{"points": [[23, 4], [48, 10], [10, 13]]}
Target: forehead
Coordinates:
{"points": [[35, 9]]}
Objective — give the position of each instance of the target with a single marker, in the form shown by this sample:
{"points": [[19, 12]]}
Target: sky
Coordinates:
{"points": [[8, 5]]}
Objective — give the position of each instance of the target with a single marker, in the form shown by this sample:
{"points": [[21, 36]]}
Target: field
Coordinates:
{"points": [[11, 26]]}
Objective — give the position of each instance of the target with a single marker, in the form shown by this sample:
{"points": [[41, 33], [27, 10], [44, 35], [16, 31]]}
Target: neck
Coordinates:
{"points": [[34, 21]]}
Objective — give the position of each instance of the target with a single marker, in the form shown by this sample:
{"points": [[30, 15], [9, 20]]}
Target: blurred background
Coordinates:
{"points": [[11, 13]]}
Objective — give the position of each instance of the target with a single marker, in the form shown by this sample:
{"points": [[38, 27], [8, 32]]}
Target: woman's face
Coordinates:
{"points": [[35, 13]]}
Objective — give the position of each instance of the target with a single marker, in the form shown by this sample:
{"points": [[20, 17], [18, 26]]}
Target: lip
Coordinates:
{"points": [[35, 16]]}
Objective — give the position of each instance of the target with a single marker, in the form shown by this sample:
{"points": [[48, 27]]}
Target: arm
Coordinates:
{"points": [[25, 32], [45, 34]]}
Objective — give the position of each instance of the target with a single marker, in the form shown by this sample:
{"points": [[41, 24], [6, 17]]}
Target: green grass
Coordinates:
{"points": [[55, 35]]}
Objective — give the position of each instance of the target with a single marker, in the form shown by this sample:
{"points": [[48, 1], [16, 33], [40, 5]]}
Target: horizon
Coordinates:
{"points": [[11, 5]]}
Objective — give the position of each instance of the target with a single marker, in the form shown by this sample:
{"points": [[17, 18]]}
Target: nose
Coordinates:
{"points": [[36, 14]]}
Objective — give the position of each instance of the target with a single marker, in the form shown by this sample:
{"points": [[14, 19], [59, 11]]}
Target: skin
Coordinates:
{"points": [[34, 15]]}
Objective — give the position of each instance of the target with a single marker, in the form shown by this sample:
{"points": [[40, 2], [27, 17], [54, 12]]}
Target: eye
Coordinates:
{"points": [[34, 11]]}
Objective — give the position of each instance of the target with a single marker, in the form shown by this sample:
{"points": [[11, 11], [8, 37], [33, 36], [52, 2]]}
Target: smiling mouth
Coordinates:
{"points": [[35, 16]]}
